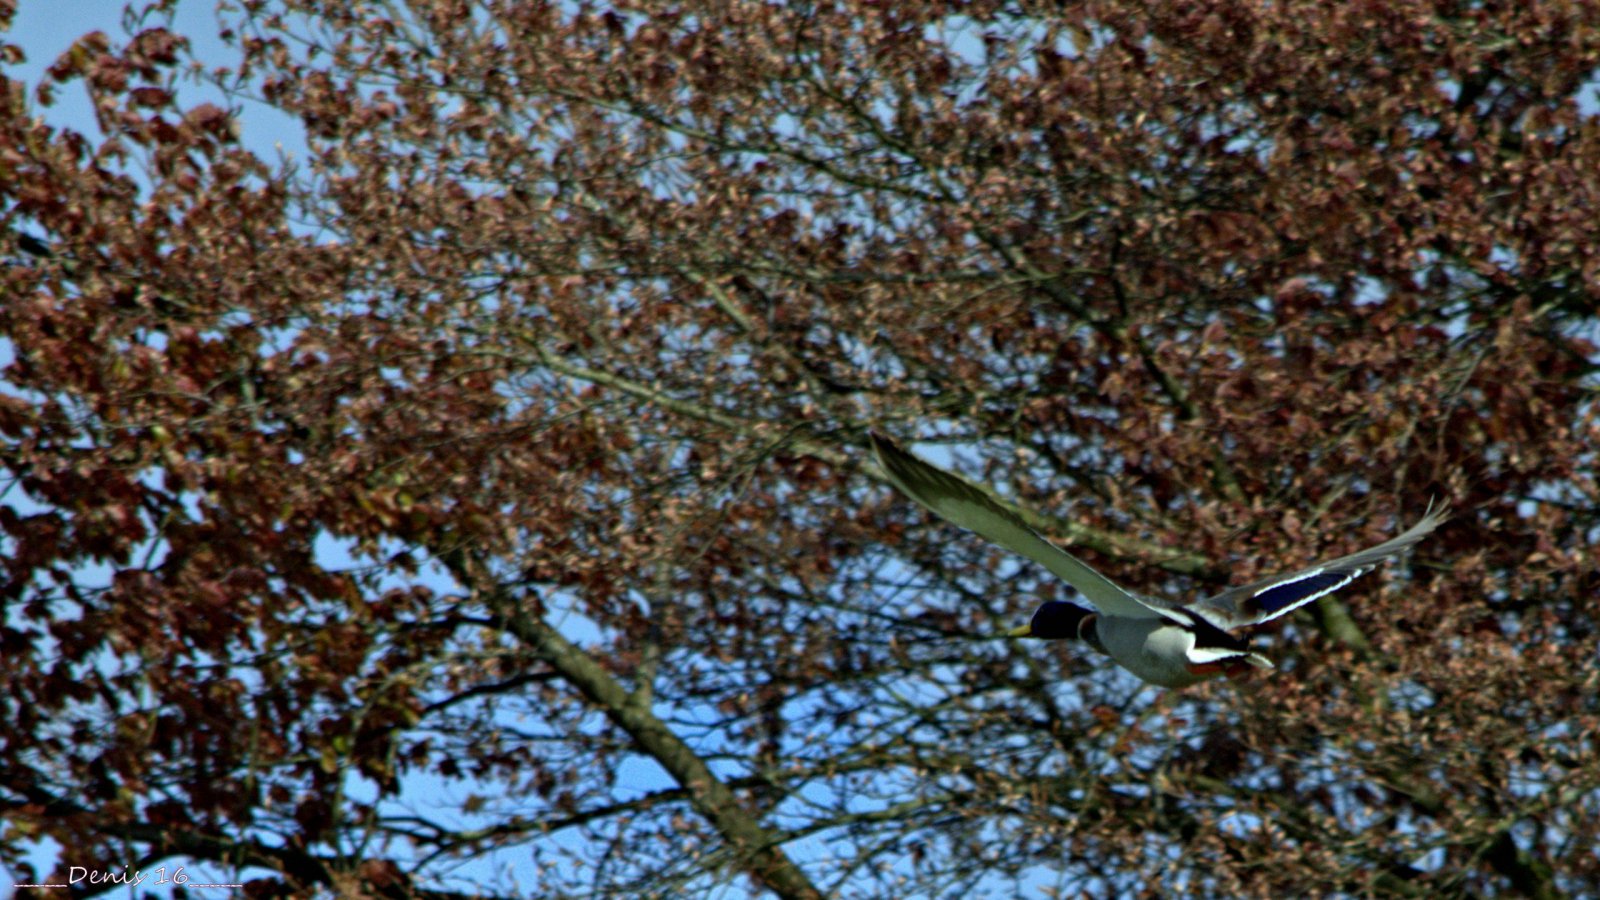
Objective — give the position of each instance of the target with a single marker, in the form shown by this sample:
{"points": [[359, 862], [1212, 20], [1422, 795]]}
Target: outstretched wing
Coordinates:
{"points": [[1270, 598], [960, 502]]}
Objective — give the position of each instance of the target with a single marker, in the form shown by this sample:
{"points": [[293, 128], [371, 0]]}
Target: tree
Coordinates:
{"points": [[568, 329]]}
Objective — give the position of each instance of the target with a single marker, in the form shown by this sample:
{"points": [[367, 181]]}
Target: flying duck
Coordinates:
{"points": [[1164, 642]]}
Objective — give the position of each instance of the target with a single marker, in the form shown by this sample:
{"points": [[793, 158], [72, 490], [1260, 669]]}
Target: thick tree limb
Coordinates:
{"points": [[709, 795]]}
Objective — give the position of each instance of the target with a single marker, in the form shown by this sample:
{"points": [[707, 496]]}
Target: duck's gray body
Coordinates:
{"points": [[1156, 650], [1168, 652]]}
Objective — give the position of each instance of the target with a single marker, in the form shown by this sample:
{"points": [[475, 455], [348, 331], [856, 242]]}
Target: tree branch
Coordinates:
{"points": [[713, 799]]}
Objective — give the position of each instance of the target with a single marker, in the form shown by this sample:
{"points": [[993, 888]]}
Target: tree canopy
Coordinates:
{"points": [[486, 479]]}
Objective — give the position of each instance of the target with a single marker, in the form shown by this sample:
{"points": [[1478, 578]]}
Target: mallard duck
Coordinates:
{"points": [[1165, 642]]}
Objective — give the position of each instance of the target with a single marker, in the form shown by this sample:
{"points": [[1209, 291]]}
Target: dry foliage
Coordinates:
{"points": [[567, 326]]}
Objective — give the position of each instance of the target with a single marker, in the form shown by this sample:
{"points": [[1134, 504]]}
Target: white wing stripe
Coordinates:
{"points": [[1293, 579]]}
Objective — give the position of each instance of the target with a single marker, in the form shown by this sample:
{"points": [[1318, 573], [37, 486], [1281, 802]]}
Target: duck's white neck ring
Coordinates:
{"points": [[1088, 633]]}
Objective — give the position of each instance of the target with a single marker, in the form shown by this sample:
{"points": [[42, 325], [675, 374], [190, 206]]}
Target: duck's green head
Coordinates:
{"points": [[1055, 620]]}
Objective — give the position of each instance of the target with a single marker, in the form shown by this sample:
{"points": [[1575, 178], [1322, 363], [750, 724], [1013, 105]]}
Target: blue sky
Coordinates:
{"points": [[44, 33]]}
